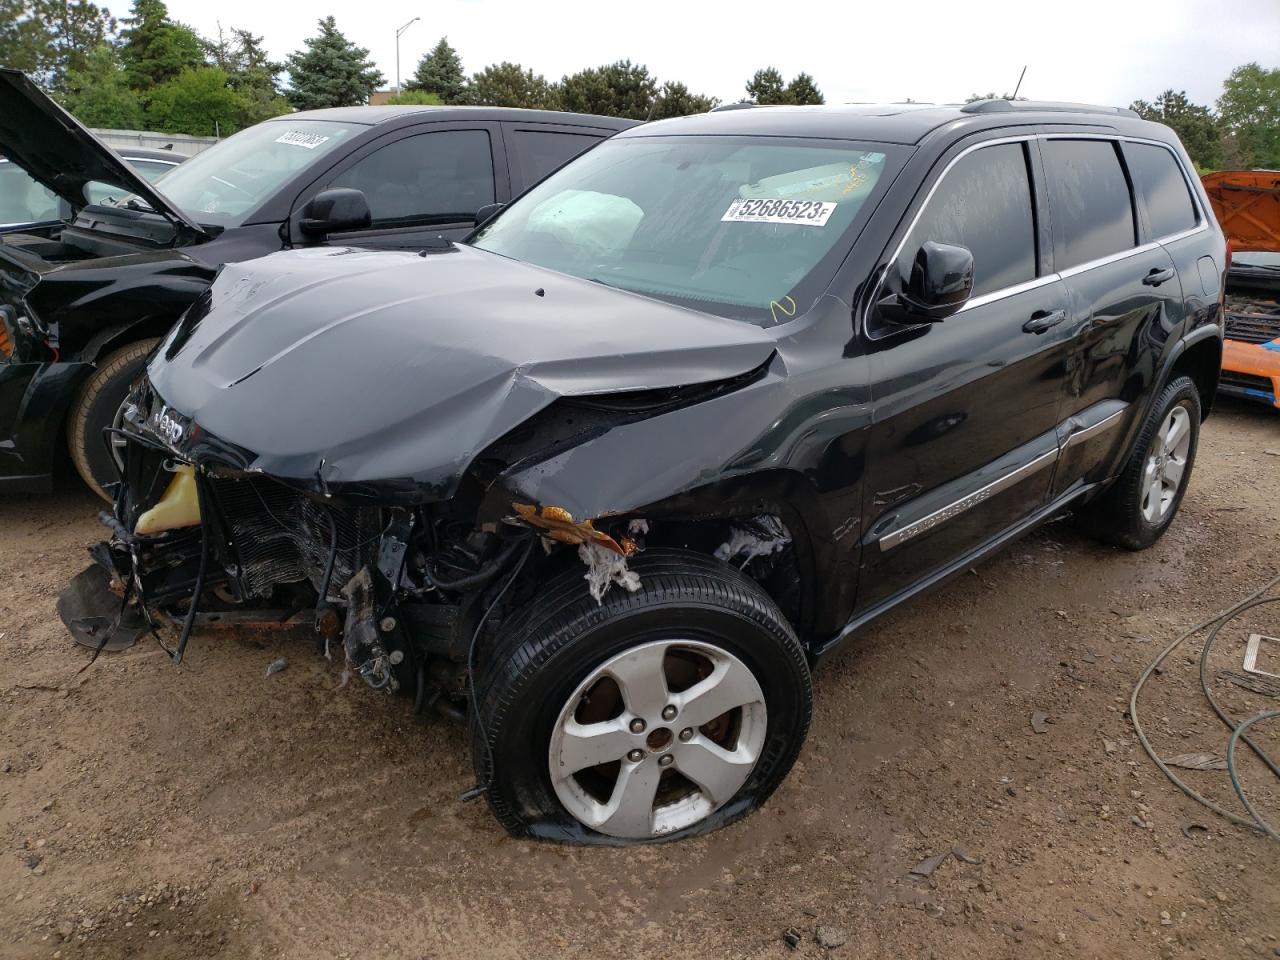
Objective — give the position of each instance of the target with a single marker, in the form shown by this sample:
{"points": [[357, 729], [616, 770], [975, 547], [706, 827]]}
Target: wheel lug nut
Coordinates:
{"points": [[635, 756], [637, 725], [665, 760], [686, 734], [669, 712]]}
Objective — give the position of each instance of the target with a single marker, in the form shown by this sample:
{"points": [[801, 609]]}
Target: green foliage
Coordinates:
{"points": [[621, 89], [155, 49], [1249, 110], [78, 28], [199, 102], [991, 96], [510, 85], [252, 75], [331, 71], [804, 91], [675, 100], [440, 72], [98, 94], [26, 42], [48, 38], [767, 87], [1194, 124], [416, 98]]}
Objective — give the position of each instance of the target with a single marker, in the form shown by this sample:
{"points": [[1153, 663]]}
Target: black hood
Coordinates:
{"points": [[355, 367], [52, 146]]}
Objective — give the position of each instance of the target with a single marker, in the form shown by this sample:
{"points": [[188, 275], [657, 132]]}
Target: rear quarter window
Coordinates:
{"points": [[1089, 201], [542, 151], [1157, 177]]}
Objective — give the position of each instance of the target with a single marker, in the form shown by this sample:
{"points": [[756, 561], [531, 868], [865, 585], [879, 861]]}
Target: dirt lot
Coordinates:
{"points": [[210, 811]]}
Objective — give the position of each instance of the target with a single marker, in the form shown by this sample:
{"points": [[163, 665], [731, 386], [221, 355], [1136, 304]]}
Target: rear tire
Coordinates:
{"points": [[568, 669], [96, 406], [1139, 507]]}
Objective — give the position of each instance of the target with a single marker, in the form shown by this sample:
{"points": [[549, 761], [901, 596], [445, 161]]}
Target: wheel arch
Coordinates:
{"points": [[1201, 360]]}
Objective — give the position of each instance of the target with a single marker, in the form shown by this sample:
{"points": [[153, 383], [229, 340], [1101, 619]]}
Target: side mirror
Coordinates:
{"points": [[487, 212], [941, 283], [332, 211]]}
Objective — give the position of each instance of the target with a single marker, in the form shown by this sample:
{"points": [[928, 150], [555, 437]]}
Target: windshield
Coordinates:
{"points": [[230, 180], [744, 227], [22, 200]]}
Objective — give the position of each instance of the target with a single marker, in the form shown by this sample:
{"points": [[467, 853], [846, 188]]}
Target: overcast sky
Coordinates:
{"points": [[1099, 51]]}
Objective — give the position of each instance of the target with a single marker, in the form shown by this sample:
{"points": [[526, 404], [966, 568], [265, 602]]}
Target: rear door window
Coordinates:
{"points": [[1089, 201], [430, 178], [982, 203], [539, 152], [1158, 178]]}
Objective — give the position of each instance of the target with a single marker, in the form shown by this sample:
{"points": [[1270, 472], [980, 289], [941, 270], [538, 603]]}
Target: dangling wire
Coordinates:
{"points": [[205, 519]]}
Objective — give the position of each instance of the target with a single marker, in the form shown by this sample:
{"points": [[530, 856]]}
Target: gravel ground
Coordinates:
{"points": [[213, 811]]}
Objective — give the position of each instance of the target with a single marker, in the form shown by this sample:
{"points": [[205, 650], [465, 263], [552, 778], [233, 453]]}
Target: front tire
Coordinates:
{"points": [[1139, 507], [97, 405], [652, 716]]}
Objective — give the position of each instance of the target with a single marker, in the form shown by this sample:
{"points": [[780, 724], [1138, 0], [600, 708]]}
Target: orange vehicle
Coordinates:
{"points": [[1247, 204]]}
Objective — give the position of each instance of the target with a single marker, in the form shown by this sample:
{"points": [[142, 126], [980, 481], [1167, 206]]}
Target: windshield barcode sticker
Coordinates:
{"points": [[811, 213], [296, 138]]}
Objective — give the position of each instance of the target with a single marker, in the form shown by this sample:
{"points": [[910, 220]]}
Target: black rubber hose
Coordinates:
{"points": [[1225, 717], [190, 620], [482, 576], [1238, 734]]}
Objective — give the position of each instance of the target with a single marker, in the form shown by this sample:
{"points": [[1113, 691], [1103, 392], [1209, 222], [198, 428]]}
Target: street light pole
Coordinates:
{"points": [[398, 32]]}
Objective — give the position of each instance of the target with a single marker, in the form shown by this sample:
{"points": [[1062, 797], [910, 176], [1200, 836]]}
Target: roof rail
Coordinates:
{"points": [[1041, 106], [741, 105]]}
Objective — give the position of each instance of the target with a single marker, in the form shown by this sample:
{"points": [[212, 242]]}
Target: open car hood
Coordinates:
{"points": [[51, 145], [356, 367], [1247, 205]]}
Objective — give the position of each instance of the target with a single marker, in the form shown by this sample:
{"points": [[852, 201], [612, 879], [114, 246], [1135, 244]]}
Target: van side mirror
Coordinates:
{"points": [[487, 212], [941, 283], [335, 210]]}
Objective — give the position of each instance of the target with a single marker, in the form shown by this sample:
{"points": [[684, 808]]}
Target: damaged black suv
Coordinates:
{"points": [[608, 478]]}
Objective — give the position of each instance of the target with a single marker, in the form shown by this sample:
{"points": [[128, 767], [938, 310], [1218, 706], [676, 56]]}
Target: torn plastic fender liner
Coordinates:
{"points": [[560, 525]]}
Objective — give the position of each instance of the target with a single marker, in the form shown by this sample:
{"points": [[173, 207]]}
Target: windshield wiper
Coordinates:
{"points": [[133, 203]]}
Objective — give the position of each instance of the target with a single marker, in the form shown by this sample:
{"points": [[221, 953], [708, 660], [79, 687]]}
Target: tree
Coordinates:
{"points": [[675, 100], [155, 49], [510, 85], [802, 90], [199, 102], [416, 98], [1193, 123], [621, 89], [440, 72], [251, 74], [331, 72], [766, 87], [26, 42], [98, 94], [78, 27], [1249, 110]]}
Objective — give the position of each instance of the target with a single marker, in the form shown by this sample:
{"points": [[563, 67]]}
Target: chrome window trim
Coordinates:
{"points": [[168, 163], [996, 295], [1088, 433], [957, 507]]}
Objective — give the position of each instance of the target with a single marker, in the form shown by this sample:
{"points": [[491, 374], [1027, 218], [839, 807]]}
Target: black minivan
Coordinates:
{"points": [[84, 299], [611, 476]]}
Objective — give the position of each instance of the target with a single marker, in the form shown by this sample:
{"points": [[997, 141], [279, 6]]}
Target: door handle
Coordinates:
{"points": [[1157, 276], [1042, 320]]}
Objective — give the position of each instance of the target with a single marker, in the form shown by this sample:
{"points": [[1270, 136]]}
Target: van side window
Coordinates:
{"points": [[1088, 199], [1158, 179], [983, 203], [440, 177]]}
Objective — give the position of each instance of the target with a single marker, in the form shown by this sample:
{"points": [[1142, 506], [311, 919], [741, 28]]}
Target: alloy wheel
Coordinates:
{"points": [[1166, 465], [657, 738]]}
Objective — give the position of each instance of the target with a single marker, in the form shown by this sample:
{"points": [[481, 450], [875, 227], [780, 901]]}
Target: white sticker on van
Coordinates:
{"points": [[811, 213], [296, 138]]}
